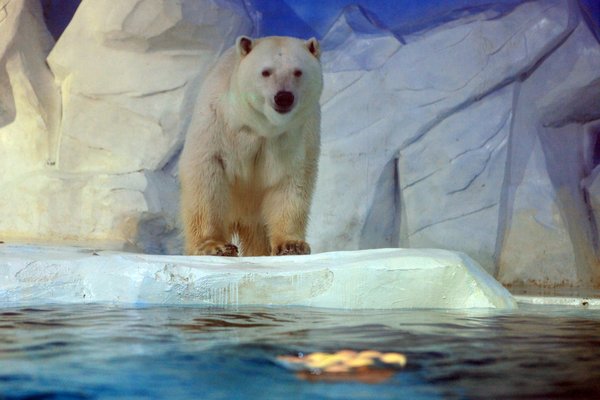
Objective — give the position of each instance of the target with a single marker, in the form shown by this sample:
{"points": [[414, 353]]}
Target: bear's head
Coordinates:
{"points": [[279, 77]]}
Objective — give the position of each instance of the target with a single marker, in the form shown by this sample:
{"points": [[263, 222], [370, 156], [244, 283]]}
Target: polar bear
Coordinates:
{"points": [[249, 162]]}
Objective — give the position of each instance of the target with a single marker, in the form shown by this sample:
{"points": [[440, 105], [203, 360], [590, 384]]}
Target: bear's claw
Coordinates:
{"points": [[215, 248], [292, 247], [227, 250]]}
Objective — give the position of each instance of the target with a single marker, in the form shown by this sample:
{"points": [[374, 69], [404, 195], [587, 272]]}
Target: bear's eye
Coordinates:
{"points": [[266, 73], [297, 73]]}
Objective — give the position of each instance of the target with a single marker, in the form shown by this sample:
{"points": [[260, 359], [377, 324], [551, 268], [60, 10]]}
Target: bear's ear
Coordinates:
{"points": [[243, 45], [313, 47]]}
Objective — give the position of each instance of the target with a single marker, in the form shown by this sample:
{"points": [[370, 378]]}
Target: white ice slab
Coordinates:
{"points": [[368, 279], [570, 301]]}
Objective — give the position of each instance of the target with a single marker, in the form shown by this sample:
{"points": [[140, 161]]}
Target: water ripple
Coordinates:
{"points": [[99, 351]]}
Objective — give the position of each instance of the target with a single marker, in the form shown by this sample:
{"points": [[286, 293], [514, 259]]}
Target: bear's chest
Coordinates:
{"points": [[261, 162]]}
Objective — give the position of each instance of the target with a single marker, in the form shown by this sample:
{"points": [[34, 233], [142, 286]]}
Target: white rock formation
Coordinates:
{"points": [[29, 99], [429, 145], [548, 234], [415, 124], [370, 279], [130, 71], [478, 135]]}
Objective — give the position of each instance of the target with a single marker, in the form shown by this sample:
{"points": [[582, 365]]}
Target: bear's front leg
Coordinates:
{"points": [[205, 206], [286, 212]]}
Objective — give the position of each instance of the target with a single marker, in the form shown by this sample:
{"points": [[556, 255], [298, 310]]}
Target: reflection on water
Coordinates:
{"points": [[98, 351]]}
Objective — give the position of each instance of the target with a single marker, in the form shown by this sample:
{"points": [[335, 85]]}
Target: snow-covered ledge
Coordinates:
{"points": [[369, 279]]}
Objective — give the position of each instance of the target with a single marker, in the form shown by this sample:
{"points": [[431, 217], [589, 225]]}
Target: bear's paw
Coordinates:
{"points": [[216, 248], [291, 247]]}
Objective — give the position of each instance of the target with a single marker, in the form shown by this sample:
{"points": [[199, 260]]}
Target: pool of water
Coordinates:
{"points": [[150, 352]]}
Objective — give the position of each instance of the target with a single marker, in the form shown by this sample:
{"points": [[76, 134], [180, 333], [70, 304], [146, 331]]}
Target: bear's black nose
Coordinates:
{"points": [[283, 101]]}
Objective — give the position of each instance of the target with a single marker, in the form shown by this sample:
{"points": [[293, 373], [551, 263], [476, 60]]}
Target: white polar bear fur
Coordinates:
{"points": [[246, 168]]}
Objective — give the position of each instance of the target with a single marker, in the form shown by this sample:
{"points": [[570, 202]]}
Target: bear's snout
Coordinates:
{"points": [[283, 101]]}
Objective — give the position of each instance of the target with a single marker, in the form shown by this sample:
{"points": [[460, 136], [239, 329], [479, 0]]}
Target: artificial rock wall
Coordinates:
{"points": [[478, 134]]}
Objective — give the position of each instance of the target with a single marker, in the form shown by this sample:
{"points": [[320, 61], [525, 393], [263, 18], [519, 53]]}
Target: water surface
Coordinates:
{"points": [[152, 352]]}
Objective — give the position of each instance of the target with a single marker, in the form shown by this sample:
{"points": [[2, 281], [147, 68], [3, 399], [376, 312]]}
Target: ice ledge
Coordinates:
{"points": [[369, 279]]}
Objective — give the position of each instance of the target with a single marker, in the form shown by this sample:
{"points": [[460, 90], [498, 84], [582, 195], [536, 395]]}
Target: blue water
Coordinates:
{"points": [[109, 352]]}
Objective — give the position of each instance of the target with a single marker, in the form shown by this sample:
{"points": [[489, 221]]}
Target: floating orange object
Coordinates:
{"points": [[367, 366]]}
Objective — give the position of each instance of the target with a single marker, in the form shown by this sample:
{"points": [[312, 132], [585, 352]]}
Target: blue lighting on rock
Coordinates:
{"points": [[306, 18]]}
